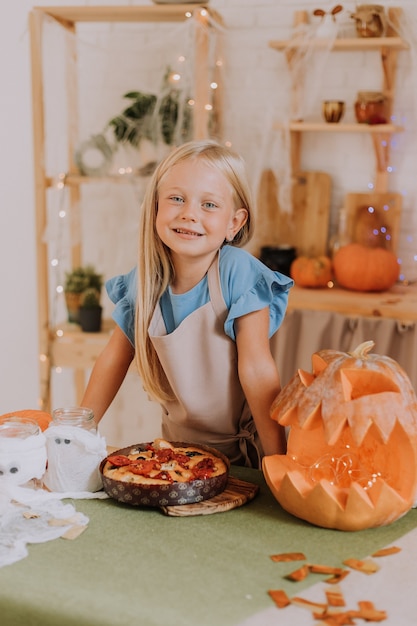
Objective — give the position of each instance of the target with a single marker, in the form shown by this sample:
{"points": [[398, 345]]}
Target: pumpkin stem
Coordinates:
{"points": [[362, 350]]}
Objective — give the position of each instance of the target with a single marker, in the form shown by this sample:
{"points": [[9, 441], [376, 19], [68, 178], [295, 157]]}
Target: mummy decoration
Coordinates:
{"points": [[22, 459], [74, 456]]}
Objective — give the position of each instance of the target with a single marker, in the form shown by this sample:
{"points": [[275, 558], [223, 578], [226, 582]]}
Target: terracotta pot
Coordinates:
{"points": [[73, 306]]}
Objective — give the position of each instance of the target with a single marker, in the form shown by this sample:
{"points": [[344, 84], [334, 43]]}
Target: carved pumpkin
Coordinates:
{"points": [[351, 460], [311, 271], [361, 268]]}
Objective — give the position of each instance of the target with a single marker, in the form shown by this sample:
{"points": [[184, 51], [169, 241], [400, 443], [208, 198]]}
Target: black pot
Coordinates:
{"points": [[90, 319], [278, 258]]}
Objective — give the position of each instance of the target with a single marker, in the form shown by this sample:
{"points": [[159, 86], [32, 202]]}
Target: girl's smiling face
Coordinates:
{"points": [[196, 211]]}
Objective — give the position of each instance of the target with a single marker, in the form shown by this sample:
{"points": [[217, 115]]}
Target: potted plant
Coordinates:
{"points": [[149, 116], [76, 281], [90, 310]]}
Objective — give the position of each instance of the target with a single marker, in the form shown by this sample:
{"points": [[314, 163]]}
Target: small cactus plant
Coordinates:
{"points": [[90, 298], [77, 281], [90, 312]]}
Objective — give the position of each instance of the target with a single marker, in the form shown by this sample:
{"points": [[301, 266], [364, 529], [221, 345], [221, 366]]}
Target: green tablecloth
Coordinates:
{"points": [[139, 567]]}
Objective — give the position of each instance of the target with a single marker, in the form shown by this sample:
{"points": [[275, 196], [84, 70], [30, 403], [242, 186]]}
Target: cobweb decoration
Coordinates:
{"points": [[306, 86], [307, 64]]}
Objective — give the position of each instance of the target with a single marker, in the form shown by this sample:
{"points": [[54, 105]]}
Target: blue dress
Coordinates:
{"points": [[194, 337], [247, 286]]}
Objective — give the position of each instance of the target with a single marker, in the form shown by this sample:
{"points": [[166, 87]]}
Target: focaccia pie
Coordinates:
{"points": [[162, 463]]}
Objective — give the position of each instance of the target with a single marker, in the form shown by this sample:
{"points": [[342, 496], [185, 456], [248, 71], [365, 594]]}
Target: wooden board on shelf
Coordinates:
{"points": [[306, 227], [387, 215]]}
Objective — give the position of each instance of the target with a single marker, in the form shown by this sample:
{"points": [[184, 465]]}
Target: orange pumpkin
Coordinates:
{"points": [[361, 268], [351, 460], [311, 271], [41, 417]]}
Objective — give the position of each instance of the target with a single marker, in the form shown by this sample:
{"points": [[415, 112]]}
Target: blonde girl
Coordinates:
{"points": [[198, 312]]}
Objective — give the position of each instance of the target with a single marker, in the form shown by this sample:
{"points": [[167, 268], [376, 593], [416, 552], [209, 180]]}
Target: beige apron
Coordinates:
{"points": [[200, 362]]}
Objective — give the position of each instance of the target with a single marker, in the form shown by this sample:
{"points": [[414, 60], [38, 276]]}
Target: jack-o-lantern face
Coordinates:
{"points": [[351, 459]]}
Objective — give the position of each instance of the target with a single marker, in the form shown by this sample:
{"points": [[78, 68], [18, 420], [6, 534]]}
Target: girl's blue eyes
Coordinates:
{"points": [[207, 205]]}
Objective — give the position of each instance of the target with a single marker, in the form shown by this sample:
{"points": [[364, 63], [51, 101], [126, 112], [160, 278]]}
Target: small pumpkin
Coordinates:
{"points": [[361, 268], [351, 460], [311, 271]]}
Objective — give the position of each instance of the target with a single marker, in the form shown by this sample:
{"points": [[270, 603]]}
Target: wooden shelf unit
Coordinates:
{"points": [[399, 303], [67, 346], [387, 47]]}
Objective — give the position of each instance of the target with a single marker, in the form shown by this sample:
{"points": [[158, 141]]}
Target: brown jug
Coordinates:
{"points": [[370, 20]]}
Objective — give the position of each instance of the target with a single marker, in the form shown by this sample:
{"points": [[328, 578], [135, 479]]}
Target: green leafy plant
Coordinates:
{"points": [[149, 116], [81, 278]]}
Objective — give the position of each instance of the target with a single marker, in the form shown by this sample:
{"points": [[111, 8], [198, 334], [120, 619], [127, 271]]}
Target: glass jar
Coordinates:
{"points": [[370, 107], [341, 237], [78, 416], [22, 451], [75, 451], [20, 427]]}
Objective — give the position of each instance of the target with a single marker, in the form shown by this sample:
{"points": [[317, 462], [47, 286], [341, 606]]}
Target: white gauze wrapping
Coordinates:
{"points": [[74, 456], [21, 460]]}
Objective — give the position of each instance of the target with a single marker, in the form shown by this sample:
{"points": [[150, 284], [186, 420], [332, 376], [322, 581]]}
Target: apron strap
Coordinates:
{"points": [[215, 289]]}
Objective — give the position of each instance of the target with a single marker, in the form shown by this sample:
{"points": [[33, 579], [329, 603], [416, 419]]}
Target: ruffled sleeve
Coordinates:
{"points": [[252, 288], [122, 292]]}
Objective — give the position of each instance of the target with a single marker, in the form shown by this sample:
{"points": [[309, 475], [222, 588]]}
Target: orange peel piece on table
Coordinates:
{"points": [[386, 551], [335, 597], [367, 566], [279, 597], [334, 618], [286, 557], [299, 574], [308, 604], [369, 613], [334, 580], [326, 569]]}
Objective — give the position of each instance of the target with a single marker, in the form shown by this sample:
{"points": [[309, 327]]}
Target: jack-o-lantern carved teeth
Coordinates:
{"points": [[351, 459]]}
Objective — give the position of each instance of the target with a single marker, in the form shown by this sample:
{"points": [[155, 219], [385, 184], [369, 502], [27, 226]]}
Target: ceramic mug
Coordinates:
{"points": [[333, 110]]}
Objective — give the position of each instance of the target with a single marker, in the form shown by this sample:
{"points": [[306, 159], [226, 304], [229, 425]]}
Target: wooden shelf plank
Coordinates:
{"points": [[345, 44], [399, 303], [71, 347], [374, 129], [75, 180], [152, 13]]}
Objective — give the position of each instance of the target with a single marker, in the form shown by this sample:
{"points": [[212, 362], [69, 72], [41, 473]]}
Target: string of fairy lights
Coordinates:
{"points": [[62, 234]]}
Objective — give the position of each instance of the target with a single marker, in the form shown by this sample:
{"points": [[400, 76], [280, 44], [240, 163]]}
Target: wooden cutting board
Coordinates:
{"points": [[307, 226], [237, 493]]}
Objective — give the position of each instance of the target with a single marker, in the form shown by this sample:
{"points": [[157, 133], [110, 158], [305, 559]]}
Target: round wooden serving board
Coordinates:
{"points": [[236, 493]]}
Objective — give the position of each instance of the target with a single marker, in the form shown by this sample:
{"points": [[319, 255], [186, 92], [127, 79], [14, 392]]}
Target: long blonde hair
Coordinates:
{"points": [[155, 269]]}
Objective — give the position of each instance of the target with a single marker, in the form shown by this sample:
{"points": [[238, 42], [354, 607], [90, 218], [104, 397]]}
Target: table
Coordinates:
{"points": [[139, 566], [338, 319]]}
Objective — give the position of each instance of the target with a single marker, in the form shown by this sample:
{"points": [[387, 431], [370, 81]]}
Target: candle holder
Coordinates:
{"points": [[333, 110]]}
